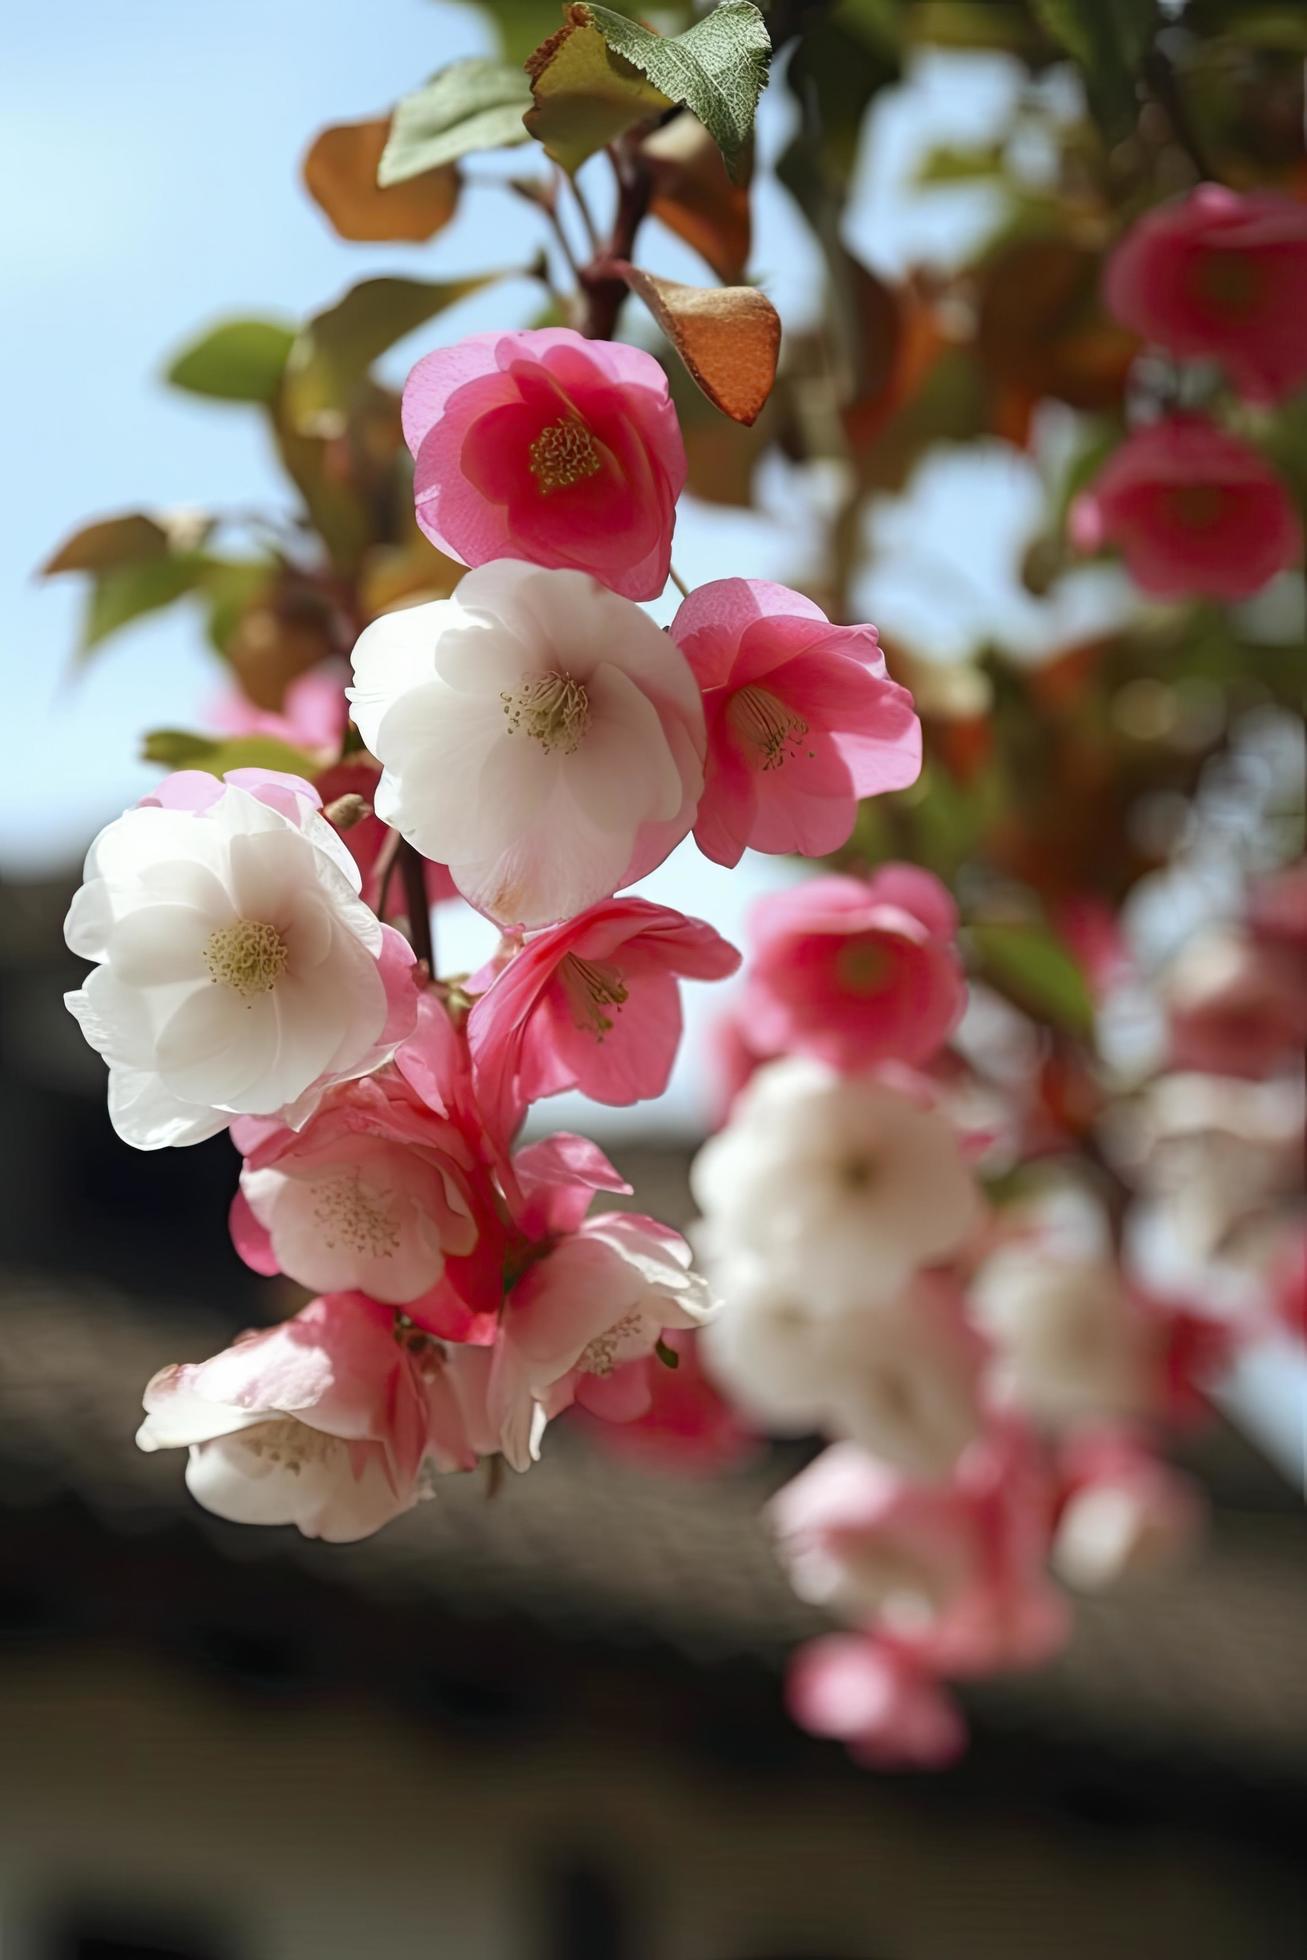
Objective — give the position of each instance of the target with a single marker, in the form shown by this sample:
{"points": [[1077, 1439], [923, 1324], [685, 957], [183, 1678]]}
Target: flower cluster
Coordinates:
{"points": [[541, 745], [1217, 276]]}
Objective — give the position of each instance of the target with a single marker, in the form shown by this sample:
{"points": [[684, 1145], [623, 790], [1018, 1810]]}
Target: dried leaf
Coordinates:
{"points": [[583, 95], [340, 175], [694, 197], [728, 336]]}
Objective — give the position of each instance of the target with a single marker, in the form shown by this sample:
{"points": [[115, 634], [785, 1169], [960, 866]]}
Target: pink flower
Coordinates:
{"points": [[854, 971], [544, 446], [950, 1575], [359, 776], [598, 1300], [890, 1712], [1222, 275], [1235, 1004], [685, 1425], [1126, 1512], [322, 1422], [312, 717], [1196, 512], [802, 720], [592, 1005], [375, 1192]]}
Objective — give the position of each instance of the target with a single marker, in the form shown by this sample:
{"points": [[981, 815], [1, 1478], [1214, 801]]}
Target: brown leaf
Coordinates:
{"points": [[728, 336], [340, 174], [1042, 330], [584, 95], [112, 541], [694, 197]]}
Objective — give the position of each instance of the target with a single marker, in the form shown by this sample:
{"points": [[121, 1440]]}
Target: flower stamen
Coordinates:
{"points": [[553, 709], [249, 957], [762, 723], [590, 987], [351, 1214], [563, 454]]}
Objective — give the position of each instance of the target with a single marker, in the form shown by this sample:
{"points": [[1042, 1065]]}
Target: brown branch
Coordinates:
{"points": [[603, 293], [413, 871]]}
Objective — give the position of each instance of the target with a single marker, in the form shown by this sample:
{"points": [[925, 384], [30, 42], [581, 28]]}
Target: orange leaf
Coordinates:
{"points": [[728, 336], [694, 197], [340, 174]]}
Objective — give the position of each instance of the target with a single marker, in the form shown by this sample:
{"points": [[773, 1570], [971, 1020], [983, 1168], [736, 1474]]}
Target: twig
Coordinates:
{"points": [[587, 217], [678, 581], [413, 871]]}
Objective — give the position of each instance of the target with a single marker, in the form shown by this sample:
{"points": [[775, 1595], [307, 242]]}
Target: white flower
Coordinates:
{"points": [[238, 969], [898, 1377], [538, 734], [598, 1301], [1069, 1341], [838, 1187]]}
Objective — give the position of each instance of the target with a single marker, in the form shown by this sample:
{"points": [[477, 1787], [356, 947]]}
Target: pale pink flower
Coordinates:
{"points": [[593, 1005], [239, 972], [322, 1422], [599, 1299], [952, 1575], [889, 1711], [1236, 1004], [538, 734], [545, 446], [375, 1193], [684, 1424], [1126, 1513], [1220, 274], [383, 888], [1196, 512], [855, 971], [312, 716], [802, 719]]}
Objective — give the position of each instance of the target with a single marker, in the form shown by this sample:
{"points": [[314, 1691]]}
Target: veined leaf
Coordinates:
{"points": [[471, 105], [177, 749], [237, 361]]}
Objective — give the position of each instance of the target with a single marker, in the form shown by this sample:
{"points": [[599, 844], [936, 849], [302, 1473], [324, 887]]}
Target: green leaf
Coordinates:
{"points": [[471, 105], [239, 361], [667, 1355], [717, 68], [178, 750], [583, 95], [128, 540], [126, 592], [1108, 39], [336, 348], [1033, 966]]}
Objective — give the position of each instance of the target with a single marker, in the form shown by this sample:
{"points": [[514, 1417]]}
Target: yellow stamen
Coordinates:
{"points": [[762, 723], [553, 709], [590, 987], [249, 956], [563, 454]]}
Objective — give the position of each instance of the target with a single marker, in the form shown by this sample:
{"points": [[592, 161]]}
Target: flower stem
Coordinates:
{"points": [[412, 869], [678, 581]]}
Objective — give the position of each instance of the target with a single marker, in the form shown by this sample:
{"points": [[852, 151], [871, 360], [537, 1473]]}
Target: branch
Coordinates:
{"points": [[413, 871]]}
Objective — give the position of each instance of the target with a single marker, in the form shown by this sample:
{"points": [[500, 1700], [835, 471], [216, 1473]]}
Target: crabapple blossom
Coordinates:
{"points": [[373, 1194], [949, 1574], [1197, 512], [322, 1422], [802, 720], [238, 970], [1126, 1513], [548, 447], [593, 1005], [538, 734], [1220, 274], [1236, 1005], [598, 1300], [687, 1425], [899, 1377], [856, 970], [1069, 1341], [889, 1711], [838, 1188]]}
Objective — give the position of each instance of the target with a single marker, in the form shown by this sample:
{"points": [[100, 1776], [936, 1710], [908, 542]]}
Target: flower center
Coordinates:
{"points": [[553, 709], [285, 1444], [1196, 505], [762, 723], [249, 956], [857, 1173], [861, 966], [352, 1215], [562, 454], [590, 986], [600, 1356]]}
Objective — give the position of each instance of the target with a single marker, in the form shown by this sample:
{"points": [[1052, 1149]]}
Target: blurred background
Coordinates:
{"points": [[549, 1727]]}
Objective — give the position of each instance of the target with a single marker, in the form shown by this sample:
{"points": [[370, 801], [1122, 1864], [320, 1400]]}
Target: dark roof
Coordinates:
{"points": [[592, 1548]]}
